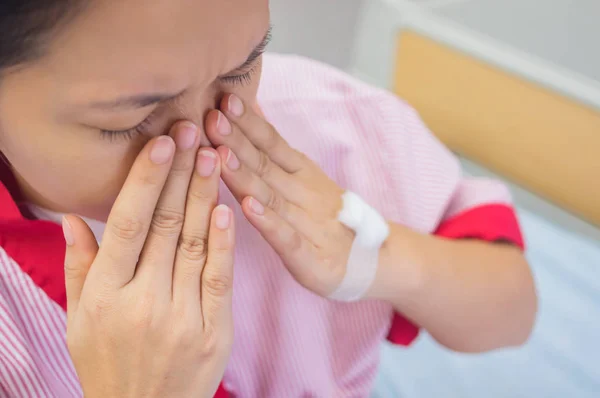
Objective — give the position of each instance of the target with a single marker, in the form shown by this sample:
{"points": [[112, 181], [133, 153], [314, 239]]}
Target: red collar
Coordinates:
{"points": [[37, 246]]}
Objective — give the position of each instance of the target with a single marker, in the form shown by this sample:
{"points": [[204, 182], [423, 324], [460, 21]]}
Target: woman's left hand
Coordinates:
{"points": [[286, 196]]}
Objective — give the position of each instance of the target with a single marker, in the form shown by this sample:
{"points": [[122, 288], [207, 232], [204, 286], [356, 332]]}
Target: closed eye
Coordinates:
{"points": [[243, 79], [129, 133], [243, 74]]}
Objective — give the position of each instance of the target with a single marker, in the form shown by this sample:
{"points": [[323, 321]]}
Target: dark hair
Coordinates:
{"points": [[27, 25]]}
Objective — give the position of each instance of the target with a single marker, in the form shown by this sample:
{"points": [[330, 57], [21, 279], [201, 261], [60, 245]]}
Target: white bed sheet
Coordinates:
{"points": [[562, 359]]}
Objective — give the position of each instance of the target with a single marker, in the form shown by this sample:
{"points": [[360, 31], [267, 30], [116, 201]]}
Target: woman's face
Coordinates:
{"points": [[122, 72]]}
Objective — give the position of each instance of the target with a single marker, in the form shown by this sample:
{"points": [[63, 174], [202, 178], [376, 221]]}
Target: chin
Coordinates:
{"points": [[98, 213]]}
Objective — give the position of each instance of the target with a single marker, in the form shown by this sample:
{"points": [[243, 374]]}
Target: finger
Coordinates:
{"points": [[222, 132], [262, 135], [156, 261], [130, 217], [243, 182], [192, 250], [79, 256], [217, 276], [293, 248]]}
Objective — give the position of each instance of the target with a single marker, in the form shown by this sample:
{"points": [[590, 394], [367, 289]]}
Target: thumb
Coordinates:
{"points": [[81, 252]]}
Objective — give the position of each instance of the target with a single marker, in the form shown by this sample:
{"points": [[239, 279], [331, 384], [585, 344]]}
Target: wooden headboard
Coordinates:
{"points": [[542, 140]]}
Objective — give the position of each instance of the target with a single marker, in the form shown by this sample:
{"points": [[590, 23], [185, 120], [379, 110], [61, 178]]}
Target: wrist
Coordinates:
{"points": [[402, 266]]}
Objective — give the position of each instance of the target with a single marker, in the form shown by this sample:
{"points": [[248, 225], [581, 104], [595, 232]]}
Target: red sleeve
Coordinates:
{"points": [[490, 223], [221, 392]]}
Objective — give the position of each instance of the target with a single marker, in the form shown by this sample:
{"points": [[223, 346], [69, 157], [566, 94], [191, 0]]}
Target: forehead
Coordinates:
{"points": [[157, 44]]}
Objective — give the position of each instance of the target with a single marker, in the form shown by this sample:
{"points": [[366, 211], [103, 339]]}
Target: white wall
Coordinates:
{"points": [[320, 29], [564, 32]]}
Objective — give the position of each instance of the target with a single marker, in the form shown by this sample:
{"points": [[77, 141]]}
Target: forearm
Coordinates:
{"points": [[470, 296]]}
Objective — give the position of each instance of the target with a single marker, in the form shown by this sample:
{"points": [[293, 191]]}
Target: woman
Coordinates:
{"points": [[112, 110]]}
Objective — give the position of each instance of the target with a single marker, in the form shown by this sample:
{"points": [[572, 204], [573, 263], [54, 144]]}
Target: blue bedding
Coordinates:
{"points": [[562, 359]]}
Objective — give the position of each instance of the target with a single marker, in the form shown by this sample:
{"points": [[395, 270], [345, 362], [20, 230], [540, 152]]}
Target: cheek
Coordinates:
{"points": [[69, 172], [60, 167], [101, 168]]}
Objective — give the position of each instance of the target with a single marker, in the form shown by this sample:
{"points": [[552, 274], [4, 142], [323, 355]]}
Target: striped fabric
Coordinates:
{"points": [[34, 361], [289, 342]]}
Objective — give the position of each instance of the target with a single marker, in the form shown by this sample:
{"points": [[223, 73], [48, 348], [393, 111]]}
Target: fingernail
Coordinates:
{"points": [[206, 163], [162, 151], [68, 232], [186, 136], [235, 105], [222, 217], [223, 125], [232, 161], [256, 207]]}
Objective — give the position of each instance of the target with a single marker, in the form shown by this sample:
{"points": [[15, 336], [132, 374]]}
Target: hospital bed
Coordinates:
{"points": [[534, 121], [561, 360]]}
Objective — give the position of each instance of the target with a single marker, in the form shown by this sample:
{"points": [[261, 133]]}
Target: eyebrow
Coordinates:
{"points": [[144, 100]]}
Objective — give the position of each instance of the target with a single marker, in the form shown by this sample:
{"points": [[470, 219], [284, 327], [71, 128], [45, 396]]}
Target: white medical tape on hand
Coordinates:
{"points": [[371, 231]]}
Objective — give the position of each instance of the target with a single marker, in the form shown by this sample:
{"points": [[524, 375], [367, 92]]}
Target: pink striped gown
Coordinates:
{"points": [[288, 342]]}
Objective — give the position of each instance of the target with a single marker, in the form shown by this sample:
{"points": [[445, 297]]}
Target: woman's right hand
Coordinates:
{"points": [[149, 312]]}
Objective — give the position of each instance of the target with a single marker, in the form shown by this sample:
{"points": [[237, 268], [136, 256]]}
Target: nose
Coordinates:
{"points": [[194, 107]]}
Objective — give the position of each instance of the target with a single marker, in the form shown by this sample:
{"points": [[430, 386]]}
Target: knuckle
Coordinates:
{"points": [[332, 266], [275, 202], [126, 227], [186, 329], [167, 222], [217, 284], [201, 195], [210, 347], [193, 247], [142, 321], [222, 250], [303, 161], [294, 242], [272, 139], [99, 307], [216, 342], [186, 336], [73, 272], [183, 313], [143, 315], [151, 179], [182, 166], [264, 164]]}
